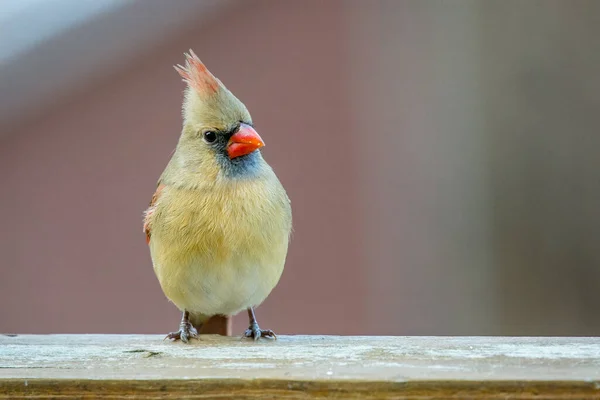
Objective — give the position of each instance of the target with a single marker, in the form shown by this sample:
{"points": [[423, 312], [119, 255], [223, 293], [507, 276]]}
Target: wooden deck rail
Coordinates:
{"points": [[298, 367]]}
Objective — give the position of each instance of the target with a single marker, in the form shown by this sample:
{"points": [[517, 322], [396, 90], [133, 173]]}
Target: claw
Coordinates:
{"points": [[185, 333], [256, 333]]}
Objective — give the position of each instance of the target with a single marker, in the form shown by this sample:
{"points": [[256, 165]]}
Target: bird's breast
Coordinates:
{"points": [[222, 248]]}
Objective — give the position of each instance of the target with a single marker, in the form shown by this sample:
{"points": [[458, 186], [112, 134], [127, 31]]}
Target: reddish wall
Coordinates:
{"points": [[442, 170], [77, 181]]}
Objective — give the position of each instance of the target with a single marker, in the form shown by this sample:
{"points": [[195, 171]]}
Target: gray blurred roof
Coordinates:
{"points": [[93, 38]]}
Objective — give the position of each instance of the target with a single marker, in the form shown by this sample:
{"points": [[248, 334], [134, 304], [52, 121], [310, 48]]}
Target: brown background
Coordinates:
{"points": [[441, 157]]}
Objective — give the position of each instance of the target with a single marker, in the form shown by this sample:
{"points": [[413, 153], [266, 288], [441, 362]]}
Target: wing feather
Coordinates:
{"points": [[150, 211]]}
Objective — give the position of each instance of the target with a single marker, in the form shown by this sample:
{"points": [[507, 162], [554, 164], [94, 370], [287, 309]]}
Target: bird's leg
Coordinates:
{"points": [[254, 330], [186, 330]]}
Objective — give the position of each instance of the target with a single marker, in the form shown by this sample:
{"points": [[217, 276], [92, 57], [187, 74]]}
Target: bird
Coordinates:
{"points": [[219, 223]]}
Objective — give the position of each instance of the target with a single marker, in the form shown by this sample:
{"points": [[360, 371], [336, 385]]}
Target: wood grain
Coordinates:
{"points": [[298, 367]]}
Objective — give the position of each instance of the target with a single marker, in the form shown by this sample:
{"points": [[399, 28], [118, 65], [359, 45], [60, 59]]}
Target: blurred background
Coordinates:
{"points": [[442, 158]]}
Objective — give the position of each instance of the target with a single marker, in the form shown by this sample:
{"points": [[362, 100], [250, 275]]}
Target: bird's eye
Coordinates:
{"points": [[210, 136]]}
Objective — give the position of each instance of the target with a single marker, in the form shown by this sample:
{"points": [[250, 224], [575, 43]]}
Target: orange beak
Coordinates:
{"points": [[243, 142]]}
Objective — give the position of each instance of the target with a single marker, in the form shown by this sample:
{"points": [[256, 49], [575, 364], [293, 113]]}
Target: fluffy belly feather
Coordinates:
{"points": [[220, 257], [201, 287]]}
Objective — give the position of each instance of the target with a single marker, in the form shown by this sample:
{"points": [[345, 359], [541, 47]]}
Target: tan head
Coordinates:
{"points": [[217, 127]]}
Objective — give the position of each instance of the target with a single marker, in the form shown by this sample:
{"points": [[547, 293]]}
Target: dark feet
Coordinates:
{"points": [[256, 333], [185, 333], [186, 330]]}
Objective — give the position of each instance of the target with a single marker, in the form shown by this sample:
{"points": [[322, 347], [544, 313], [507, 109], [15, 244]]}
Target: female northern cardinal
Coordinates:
{"points": [[219, 223]]}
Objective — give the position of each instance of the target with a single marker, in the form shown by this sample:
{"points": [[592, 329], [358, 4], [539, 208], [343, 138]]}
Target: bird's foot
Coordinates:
{"points": [[256, 333], [185, 333]]}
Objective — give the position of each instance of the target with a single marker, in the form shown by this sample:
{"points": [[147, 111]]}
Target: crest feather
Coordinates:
{"points": [[197, 76]]}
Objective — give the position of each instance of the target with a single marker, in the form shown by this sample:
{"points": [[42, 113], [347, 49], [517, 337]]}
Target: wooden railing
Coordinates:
{"points": [[298, 367]]}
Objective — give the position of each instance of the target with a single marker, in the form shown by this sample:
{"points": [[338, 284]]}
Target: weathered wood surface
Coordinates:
{"points": [[126, 366]]}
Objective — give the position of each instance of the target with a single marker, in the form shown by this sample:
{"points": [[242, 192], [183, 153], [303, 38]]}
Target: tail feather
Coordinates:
{"points": [[217, 324]]}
